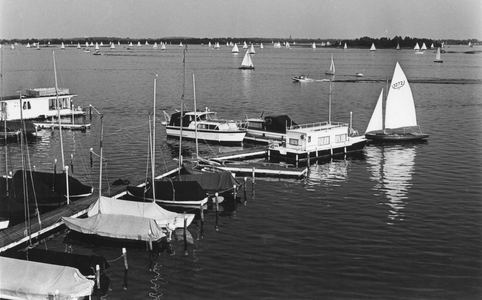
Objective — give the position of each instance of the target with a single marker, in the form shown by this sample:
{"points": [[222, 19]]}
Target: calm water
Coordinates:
{"points": [[399, 222]]}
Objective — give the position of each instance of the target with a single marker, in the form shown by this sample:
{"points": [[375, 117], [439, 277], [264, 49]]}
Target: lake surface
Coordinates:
{"points": [[397, 222]]}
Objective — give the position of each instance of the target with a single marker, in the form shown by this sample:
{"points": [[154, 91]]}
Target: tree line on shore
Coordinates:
{"points": [[363, 42]]}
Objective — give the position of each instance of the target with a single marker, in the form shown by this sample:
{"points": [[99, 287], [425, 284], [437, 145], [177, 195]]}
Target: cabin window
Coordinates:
{"points": [[26, 105], [324, 140], [52, 105], [340, 138], [309, 139], [255, 125], [294, 142]]}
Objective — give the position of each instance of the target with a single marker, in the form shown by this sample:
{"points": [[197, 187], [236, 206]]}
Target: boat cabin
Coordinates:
{"points": [[277, 124], [315, 136], [39, 103]]}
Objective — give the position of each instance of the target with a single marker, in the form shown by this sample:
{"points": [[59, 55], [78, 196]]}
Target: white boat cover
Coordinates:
{"points": [[123, 219], [21, 279]]}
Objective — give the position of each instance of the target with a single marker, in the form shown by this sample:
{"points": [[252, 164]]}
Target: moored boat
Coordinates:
{"points": [[41, 103], [204, 125], [302, 78], [266, 129]]}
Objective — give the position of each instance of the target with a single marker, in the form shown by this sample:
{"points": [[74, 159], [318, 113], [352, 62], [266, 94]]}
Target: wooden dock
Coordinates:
{"points": [[17, 235]]}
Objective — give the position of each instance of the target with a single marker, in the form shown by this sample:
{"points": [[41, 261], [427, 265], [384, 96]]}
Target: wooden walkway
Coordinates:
{"points": [[17, 236]]}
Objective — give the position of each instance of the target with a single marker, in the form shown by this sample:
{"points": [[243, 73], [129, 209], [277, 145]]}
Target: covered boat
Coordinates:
{"points": [[171, 192], [268, 128], [21, 279], [130, 220]]}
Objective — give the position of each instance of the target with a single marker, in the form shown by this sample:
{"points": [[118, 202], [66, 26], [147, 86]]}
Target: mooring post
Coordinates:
{"points": [[97, 276], [91, 160], [126, 267], [185, 235], [217, 210], [67, 181]]}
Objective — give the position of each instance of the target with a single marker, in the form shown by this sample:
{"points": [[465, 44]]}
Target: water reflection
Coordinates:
{"points": [[392, 168], [328, 173]]}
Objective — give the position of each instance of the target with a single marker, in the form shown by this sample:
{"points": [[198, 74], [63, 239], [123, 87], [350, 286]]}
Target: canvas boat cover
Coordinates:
{"points": [[48, 188], [123, 219], [21, 279], [278, 123], [183, 191], [211, 182]]}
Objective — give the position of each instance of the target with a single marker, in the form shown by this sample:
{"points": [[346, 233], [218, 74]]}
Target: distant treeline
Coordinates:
{"points": [[363, 42]]}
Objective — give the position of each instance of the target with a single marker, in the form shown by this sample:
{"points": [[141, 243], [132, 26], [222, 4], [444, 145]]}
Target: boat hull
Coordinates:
{"points": [[298, 158], [395, 137], [217, 136], [246, 68]]}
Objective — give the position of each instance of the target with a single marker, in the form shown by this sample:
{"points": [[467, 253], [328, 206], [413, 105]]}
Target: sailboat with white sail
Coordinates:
{"points": [[251, 50], [438, 57], [373, 48], [247, 63], [400, 122], [235, 49], [331, 71]]}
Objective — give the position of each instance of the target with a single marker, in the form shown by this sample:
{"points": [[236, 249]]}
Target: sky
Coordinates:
{"points": [[339, 19]]}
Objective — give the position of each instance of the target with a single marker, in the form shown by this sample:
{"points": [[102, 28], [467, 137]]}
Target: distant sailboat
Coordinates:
{"points": [[130, 44], [155, 45], [251, 50], [28, 45], [247, 63], [261, 46], [313, 46], [163, 46], [62, 47], [78, 45], [400, 122], [245, 46], [398, 47], [424, 47], [235, 49], [345, 47], [373, 47], [438, 58], [112, 46], [331, 71], [417, 47], [139, 44], [180, 44]]}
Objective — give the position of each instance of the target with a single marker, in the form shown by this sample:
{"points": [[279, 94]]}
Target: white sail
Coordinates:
{"points": [[155, 45], [96, 46], [28, 45], [247, 61], [432, 46], [345, 47], [424, 47], [376, 121], [112, 46], [235, 49], [138, 44], [62, 47], [78, 45], [261, 46], [398, 47], [331, 71], [130, 44], [163, 46], [373, 47], [245, 46], [400, 107], [251, 50], [438, 57], [313, 46], [417, 47]]}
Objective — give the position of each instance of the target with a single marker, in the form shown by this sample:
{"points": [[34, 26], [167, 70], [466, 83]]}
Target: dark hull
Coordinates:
{"points": [[246, 68], [380, 137]]}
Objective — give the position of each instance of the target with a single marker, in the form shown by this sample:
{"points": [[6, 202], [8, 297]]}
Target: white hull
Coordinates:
{"points": [[217, 136]]}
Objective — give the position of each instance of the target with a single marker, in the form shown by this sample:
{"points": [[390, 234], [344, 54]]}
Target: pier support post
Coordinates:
{"points": [[67, 183], [126, 267], [216, 202], [97, 276], [185, 235]]}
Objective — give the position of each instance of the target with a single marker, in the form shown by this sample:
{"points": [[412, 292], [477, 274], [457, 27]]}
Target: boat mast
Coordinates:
{"points": [[4, 116], [195, 114], [101, 152], [58, 113], [153, 144], [329, 106], [182, 105]]}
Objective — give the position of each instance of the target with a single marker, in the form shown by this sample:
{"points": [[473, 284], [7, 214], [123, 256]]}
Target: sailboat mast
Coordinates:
{"points": [[58, 112], [383, 115], [153, 151], [195, 114], [329, 106], [101, 156], [182, 106], [4, 116]]}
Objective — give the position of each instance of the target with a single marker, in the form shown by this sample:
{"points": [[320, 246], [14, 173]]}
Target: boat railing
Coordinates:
{"points": [[318, 124]]}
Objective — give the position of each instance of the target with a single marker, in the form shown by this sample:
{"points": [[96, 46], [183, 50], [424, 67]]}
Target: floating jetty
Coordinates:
{"points": [[35, 232], [55, 125]]}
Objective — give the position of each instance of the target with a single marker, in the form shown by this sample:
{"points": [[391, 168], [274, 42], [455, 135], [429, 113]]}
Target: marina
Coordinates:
{"points": [[340, 221]]}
